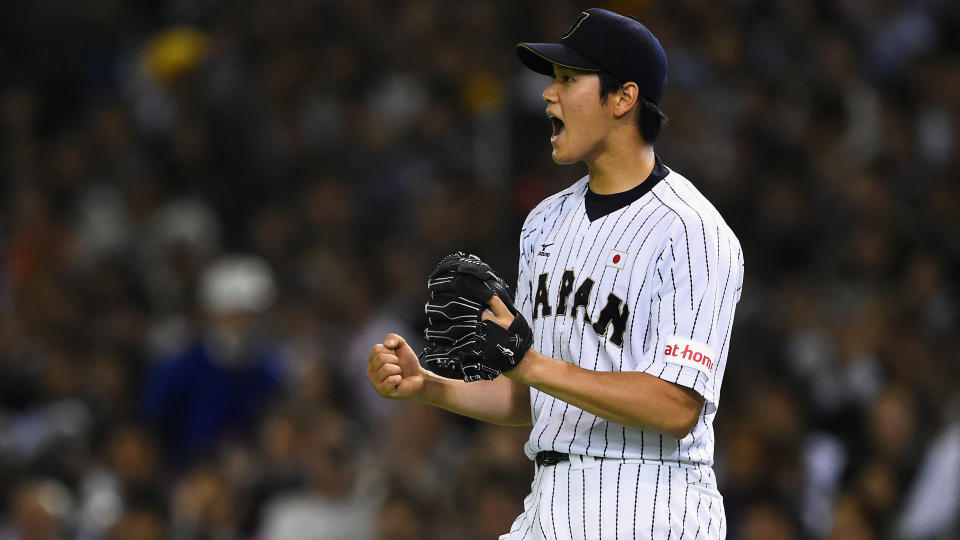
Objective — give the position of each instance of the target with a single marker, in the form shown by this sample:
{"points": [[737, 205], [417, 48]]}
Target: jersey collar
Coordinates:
{"points": [[598, 205]]}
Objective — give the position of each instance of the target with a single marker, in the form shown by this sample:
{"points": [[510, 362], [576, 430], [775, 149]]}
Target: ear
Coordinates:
{"points": [[626, 99]]}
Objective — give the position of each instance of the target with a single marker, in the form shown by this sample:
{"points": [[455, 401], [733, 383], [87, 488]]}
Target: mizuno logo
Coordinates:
{"points": [[543, 249]]}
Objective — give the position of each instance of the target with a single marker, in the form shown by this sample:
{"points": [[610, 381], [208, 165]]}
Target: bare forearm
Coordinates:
{"points": [[500, 401], [632, 399]]}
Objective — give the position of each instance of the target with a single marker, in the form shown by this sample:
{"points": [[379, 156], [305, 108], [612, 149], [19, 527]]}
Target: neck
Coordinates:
{"points": [[623, 168]]}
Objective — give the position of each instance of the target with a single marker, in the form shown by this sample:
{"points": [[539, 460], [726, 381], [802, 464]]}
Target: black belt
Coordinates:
{"points": [[549, 457]]}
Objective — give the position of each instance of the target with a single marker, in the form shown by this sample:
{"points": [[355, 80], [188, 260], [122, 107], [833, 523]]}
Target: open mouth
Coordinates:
{"points": [[557, 127]]}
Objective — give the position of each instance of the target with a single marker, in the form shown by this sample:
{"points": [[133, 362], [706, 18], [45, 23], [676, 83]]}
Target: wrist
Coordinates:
{"points": [[427, 394], [526, 369], [436, 390]]}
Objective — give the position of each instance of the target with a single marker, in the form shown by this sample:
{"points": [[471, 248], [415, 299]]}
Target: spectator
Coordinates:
{"points": [[219, 386], [338, 502]]}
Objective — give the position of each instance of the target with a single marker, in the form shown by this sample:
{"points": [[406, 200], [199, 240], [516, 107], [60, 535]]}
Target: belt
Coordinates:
{"points": [[549, 457]]}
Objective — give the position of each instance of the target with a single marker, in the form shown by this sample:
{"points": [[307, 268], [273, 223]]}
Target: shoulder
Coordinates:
{"points": [[554, 204], [695, 217]]}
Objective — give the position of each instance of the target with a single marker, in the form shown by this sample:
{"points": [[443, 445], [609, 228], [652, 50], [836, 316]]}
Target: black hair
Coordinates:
{"points": [[650, 119]]}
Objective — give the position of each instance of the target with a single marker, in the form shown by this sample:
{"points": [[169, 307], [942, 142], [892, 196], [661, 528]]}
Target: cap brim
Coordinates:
{"points": [[541, 57]]}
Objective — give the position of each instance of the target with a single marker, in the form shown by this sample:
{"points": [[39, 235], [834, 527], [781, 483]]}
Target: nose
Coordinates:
{"points": [[550, 94]]}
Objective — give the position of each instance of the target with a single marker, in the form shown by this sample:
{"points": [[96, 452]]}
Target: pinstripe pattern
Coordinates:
{"points": [[648, 501], [675, 283]]}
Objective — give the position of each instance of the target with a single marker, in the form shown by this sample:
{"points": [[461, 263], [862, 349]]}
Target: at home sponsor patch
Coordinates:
{"points": [[694, 354]]}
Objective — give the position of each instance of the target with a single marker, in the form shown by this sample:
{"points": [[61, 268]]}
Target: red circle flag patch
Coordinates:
{"points": [[617, 259]]}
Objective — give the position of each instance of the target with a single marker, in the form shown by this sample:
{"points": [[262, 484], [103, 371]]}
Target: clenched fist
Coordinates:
{"points": [[393, 369]]}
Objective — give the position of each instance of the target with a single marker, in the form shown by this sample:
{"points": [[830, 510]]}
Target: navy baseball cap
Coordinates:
{"points": [[601, 40]]}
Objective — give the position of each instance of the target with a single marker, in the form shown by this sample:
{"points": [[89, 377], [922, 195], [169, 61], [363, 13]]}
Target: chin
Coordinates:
{"points": [[561, 159]]}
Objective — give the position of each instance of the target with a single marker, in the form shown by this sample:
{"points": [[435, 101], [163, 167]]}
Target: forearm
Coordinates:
{"points": [[500, 401], [629, 398]]}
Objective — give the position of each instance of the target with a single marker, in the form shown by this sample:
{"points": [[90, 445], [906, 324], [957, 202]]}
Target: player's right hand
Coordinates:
{"points": [[393, 369]]}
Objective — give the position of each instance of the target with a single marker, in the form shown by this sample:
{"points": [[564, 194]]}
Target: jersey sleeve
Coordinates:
{"points": [[698, 276]]}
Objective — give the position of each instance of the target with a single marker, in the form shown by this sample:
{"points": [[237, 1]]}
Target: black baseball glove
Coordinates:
{"points": [[459, 343]]}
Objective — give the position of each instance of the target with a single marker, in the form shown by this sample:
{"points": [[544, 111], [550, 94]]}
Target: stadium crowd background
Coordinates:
{"points": [[347, 146]]}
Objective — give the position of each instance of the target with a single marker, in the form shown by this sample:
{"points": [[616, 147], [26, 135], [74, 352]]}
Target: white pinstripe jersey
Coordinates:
{"points": [[651, 287]]}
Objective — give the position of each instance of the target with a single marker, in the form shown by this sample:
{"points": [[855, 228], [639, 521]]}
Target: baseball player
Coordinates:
{"points": [[616, 346]]}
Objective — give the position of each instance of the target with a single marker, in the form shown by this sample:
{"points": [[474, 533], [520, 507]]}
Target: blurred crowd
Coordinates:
{"points": [[211, 211]]}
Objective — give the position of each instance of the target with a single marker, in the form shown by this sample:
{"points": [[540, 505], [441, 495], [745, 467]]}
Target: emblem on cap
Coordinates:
{"points": [[576, 24]]}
